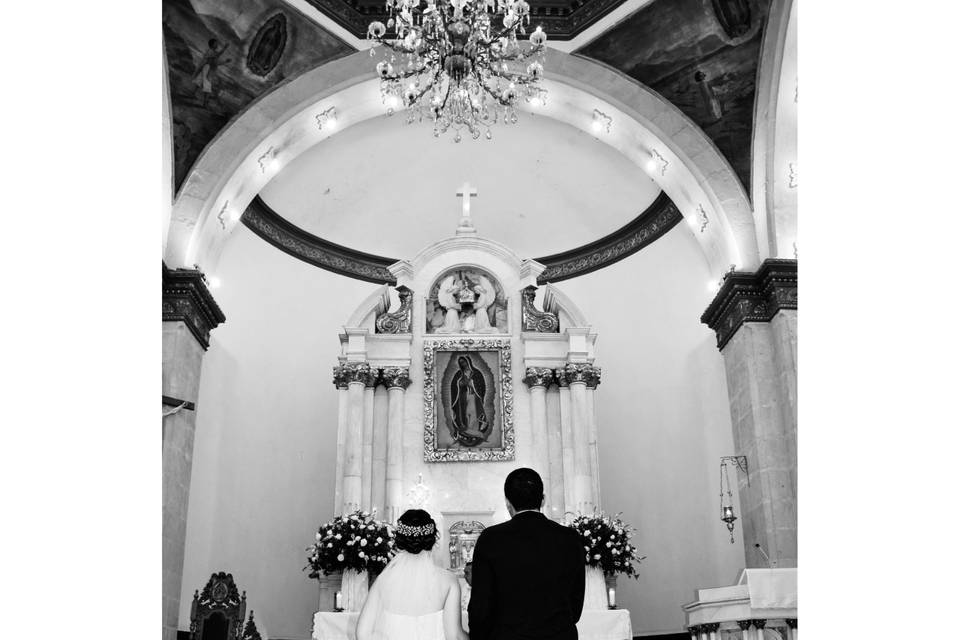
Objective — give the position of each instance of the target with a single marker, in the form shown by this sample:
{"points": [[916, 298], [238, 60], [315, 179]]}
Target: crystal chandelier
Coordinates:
{"points": [[459, 62]]}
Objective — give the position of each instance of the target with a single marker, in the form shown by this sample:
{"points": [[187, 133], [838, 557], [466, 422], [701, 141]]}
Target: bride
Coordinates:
{"points": [[413, 599]]}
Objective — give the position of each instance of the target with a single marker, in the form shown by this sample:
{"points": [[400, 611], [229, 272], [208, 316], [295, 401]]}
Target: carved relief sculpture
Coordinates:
{"points": [[533, 318], [466, 301], [463, 539], [398, 321]]}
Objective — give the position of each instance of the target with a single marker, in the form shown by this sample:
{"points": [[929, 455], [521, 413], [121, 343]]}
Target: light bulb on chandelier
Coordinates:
{"points": [[459, 63]]}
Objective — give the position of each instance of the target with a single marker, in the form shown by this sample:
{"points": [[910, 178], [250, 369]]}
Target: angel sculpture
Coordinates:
{"points": [[466, 304]]}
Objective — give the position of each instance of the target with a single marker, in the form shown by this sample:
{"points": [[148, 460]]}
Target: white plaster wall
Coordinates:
{"points": [[265, 447], [264, 458], [664, 422], [355, 188]]}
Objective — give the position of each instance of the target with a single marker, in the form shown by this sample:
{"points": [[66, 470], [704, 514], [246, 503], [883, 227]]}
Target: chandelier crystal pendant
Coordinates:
{"points": [[459, 62]]}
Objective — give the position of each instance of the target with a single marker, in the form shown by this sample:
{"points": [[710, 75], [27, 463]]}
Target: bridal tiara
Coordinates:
{"points": [[422, 530]]}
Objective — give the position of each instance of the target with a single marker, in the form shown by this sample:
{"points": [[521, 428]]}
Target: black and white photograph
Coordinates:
{"points": [[479, 320]]}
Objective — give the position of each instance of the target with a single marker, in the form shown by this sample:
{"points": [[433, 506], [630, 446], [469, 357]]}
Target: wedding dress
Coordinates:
{"points": [[409, 599]]}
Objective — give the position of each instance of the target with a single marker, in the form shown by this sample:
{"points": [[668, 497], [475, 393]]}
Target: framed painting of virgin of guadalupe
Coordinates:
{"points": [[468, 400]]}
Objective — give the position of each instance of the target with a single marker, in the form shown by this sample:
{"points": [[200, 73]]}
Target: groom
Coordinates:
{"points": [[528, 573]]}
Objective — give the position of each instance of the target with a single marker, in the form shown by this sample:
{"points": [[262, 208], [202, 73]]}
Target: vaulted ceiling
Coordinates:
{"points": [[702, 55]]}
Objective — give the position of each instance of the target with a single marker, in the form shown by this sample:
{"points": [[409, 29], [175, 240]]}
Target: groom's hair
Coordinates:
{"points": [[524, 489]]}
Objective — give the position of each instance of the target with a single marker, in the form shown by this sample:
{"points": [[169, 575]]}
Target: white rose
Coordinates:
{"points": [[363, 543], [340, 557], [361, 554], [349, 543], [609, 544], [596, 557], [379, 539], [319, 537], [338, 536], [329, 545]]}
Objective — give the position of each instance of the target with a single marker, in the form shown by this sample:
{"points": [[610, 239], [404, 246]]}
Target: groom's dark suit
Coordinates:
{"points": [[528, 580]]}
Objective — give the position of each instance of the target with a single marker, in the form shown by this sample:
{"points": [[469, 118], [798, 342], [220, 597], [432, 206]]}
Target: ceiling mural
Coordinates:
{"points": [[701, 55], [224, 54], [561, 19]]}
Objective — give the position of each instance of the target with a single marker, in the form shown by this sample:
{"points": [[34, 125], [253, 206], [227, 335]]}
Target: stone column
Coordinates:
{"points": [[711, 629], [189, 314], [577, 375], [539, 379], [340, 381], [566, 439], [396, 380], [357, 375], [593, 381], [754, 316], [379, 474], [366, 469], [744, 629]]}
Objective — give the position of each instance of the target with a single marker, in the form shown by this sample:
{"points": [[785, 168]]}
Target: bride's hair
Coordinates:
{"points": [[415, 531]]}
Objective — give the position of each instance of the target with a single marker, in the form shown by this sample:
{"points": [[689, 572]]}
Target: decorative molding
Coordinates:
{"points": [[661, 216], [572, 373], [759, 623], [186, 299], [431, 451], [534, 319], [339, 377], [752, 297], [395, 377], [293, 240], [401, 320], [744, 624], [710, 627], [561, 19], [539, 377]]}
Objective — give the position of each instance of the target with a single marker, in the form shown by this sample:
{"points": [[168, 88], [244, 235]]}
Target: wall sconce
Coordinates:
{"points": [[268, 158], [657, 160], [727, 514], [327, 118], [601, 121]]}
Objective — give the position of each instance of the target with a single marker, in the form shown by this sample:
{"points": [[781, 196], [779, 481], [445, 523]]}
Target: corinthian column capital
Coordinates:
{"points": [[578, 372], [538, 377], [349, 372], [395, 377]]}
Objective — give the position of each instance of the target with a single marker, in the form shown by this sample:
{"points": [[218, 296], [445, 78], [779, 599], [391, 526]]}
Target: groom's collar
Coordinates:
{"points": [[537, 511]]}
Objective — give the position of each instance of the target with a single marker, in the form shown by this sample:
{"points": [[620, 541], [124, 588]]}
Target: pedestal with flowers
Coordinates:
{"points": [[355, 545], [608, 553]]}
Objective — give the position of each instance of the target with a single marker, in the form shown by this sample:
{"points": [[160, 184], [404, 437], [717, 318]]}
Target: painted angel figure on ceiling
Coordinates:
{"points": [[465, 302]]}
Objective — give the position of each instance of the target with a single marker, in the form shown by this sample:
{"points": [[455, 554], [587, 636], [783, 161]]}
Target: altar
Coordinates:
{"points": [[611, 624], [469, 367]]}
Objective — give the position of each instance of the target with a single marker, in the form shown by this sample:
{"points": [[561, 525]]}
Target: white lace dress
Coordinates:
{"points": [[409, 601]]}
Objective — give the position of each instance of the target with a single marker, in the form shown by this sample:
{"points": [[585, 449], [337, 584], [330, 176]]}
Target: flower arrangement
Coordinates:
{"points": [[354, 541], [606, 544]]}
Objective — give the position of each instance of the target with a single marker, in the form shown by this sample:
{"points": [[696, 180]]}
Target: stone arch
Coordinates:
{"points": [[645, 128], [774, 145]]}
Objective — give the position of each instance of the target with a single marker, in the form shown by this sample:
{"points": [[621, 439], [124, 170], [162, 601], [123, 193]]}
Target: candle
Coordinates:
{"points": [[612, 597], [338, 601]]}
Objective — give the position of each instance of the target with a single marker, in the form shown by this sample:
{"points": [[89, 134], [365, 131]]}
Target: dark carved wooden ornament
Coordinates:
{"points": [[219, 600], [657, 219], [187, 299], [752, 297]]}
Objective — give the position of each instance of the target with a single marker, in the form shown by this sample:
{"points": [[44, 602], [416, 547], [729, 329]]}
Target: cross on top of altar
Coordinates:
{"points": [[466, 223]]}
